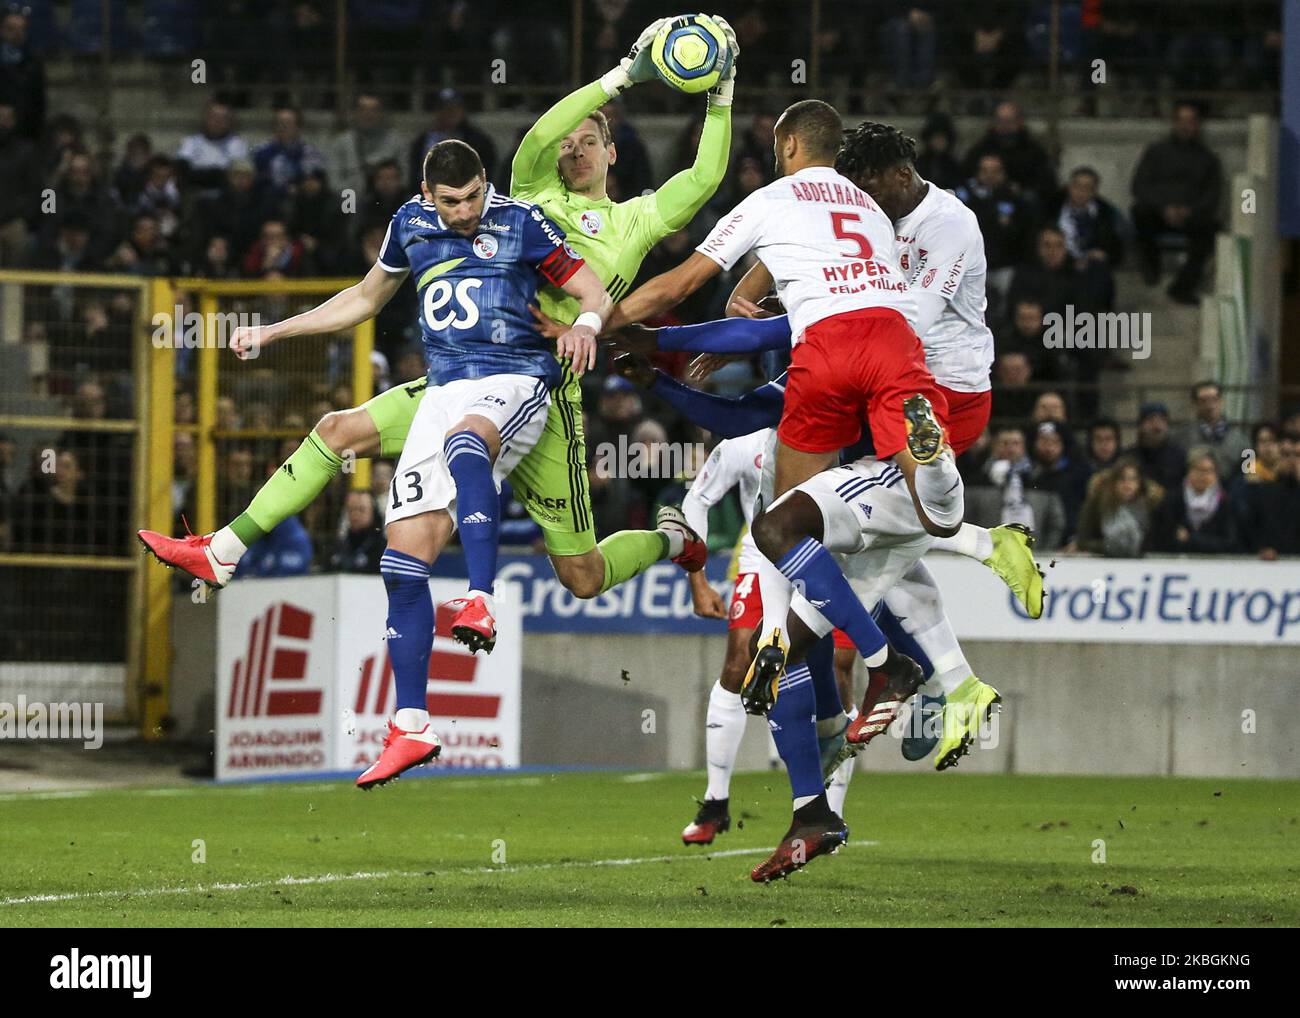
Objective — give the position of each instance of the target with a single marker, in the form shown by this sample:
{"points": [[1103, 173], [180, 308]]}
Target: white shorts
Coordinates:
{"points": [[516, 404], [863, 504]]}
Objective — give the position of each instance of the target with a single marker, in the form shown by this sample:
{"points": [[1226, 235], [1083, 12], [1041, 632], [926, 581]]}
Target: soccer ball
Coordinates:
{"points": [[690, 53]]}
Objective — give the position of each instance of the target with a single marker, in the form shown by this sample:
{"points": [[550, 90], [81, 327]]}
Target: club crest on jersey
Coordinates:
{"points": [[590, 222], [485, 245]]}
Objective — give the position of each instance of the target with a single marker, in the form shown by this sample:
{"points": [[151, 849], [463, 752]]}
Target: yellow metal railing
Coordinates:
{"points": [[153, 372]]}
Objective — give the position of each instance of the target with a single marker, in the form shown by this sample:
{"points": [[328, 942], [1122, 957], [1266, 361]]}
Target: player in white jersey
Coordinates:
{"points": [[830, 250]]}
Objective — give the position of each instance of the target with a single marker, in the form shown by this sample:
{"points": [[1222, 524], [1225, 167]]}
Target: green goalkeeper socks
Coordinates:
{"points": [[289, 490], [629, 553]]}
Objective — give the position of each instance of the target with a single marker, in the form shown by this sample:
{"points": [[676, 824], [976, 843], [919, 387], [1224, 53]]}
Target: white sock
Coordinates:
{"points": [[776, 592], [916, 599], [839, 786], [227, 548], [971, 541], [803, 800], [676, 541], [411, 719], [725, 727], [940, 491]]}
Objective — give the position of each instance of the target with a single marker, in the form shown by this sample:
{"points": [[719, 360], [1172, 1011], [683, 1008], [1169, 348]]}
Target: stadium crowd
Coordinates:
{"points": [[251, 195]]}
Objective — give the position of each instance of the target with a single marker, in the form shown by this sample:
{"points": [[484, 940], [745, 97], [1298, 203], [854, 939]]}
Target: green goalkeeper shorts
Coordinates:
{"points": [[551, 481]]}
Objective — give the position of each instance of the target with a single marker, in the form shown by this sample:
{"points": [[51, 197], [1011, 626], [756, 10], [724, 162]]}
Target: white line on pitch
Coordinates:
{"points": [[337, 878]]}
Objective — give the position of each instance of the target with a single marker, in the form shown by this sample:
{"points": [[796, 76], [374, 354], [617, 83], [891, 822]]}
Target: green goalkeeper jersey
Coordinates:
{"points": [[613, 237]]}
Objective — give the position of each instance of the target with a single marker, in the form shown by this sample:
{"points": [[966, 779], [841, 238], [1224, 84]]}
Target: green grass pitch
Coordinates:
{"points": [[603, 849]]}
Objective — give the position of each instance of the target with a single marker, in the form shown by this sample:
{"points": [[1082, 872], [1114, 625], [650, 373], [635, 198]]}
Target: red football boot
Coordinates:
{"points": [[191, 554], [402, 751], [473, 624], [890, 686], [819, 832], [711, 820], [694, 551]]}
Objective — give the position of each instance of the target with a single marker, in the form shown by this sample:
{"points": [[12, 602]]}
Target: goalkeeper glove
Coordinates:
{"points": [[636, 66], [721, 93]]}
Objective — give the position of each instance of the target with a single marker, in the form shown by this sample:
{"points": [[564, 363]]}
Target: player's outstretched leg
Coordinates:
{"points": [[411, 740], [815, 828], [213, 557], [968, 708], [724, 730], [1008, 551]]}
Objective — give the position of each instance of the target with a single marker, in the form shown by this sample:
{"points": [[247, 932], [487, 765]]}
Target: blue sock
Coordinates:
{"points": [[477, 504], [794, 729], [903, 640], [810, 565], [821, 664], [410, 625]]}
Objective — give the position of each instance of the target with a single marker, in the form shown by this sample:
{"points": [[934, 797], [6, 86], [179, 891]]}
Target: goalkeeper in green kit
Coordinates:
{"points": [[562, 166]]}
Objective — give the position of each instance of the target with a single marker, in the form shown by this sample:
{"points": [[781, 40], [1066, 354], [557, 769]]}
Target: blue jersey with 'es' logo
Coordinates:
{"points": [[474, 291]]}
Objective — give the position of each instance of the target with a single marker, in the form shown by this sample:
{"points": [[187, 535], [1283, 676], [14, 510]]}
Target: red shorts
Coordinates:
{"points": [[746, 603], [747, 608], [968, 416], [854, 368], [842, 641]]}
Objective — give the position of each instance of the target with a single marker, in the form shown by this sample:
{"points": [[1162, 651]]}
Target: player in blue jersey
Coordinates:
{"points": [[478, 258]]}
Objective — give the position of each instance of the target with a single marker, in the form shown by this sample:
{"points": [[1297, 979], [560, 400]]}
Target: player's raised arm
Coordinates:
{"points": [[534, 164], [685, 193], [345, 309], [664, 291]]}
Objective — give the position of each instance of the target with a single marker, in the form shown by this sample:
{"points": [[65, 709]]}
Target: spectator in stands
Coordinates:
{"points": [[1013, 398], [381, 477], [1195, 516], [1094, 234], [1158, 456], [1024, 335], [216, 262], [70, 250], [53, 514], [80, 193], [285, 551], [1056, 470], [20, 170], [160, 197], [185, 472], [451, 121], [991, 46], [937, 160], [362, 544], [275, 255], [1116, 518], [318, 221], [22, 75], [1210, 428], [1177, 189], [1051, 279], [287, 158], [1266, 450], [363, 146], [386, 194], [63, 139], [1000, 494], [207, 155], [1050, 406], [1103, 444], [145, 251], [237, 210], [908, 38], [1006, 219], [755, 142], [133, 171], [1270, 517], [1027, 163]]}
